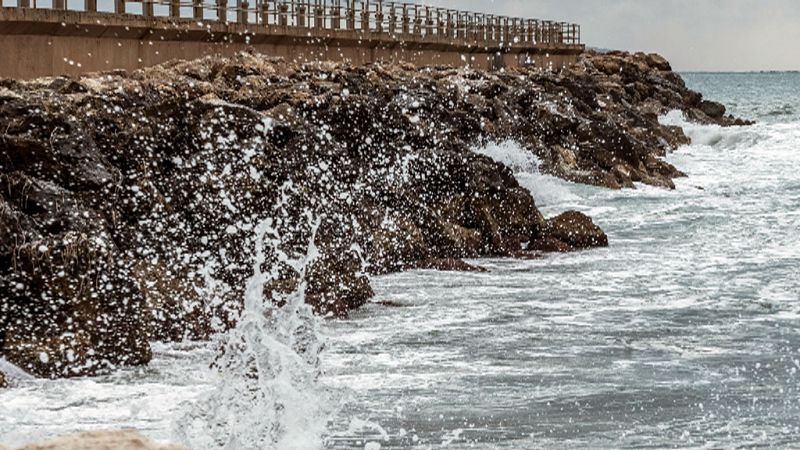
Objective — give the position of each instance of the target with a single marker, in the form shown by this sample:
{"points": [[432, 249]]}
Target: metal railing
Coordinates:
{"points": [[401, 21]]}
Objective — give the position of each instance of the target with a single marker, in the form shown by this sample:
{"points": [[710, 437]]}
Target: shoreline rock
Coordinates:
{"points": [[129, 201], [101, 440]]}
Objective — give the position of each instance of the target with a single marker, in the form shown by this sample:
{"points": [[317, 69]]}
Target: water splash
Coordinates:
{"points": [[266, 394], [546, 189]]}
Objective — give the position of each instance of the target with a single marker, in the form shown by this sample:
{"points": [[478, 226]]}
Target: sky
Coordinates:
{"points": [[695, 35]]}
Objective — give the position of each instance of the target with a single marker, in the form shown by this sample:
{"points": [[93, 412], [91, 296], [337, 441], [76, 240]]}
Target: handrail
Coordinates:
{"points": [[397, 20]]}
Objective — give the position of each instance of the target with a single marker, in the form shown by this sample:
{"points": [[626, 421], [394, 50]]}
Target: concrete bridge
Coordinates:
{"points": [[68, 37]]}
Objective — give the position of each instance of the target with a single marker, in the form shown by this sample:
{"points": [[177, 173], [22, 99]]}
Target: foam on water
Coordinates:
{"points": [[546, 189]]}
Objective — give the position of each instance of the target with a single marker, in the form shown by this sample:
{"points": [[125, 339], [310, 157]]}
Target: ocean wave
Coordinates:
{"points": [[546, 189], [715, 135]]}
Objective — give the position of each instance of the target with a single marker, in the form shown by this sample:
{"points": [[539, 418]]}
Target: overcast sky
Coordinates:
{"points": [[715, 35]]}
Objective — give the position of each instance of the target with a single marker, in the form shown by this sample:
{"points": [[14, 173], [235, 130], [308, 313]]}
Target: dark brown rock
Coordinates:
{"points": [[576, 230], [146, 188], [446, 264]]}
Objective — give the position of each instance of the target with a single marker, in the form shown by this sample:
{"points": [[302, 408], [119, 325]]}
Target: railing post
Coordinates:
{"points": [[392, 19], [243, 9], [336, 17], [59, 4], [300, 16], [379, 17], [365, 16], [197, 9], [90, 5], [319, 16], [351, 15], [263, 12], [406, 21], [147, 8], [428, 22], [222, 11], [283, 15], [417, 21], [174, 9]]}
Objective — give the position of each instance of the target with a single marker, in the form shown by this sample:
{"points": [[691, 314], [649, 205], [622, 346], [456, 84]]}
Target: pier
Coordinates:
{"points": [[68, 37]]}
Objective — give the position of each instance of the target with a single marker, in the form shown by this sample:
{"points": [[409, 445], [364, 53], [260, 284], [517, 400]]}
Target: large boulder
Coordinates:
{"points": [[101, 440], [576, 230]]}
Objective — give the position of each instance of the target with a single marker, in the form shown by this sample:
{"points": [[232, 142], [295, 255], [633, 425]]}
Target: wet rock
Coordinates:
{"points": [[145, 190], [713, 110], [3, 380], [446, 264], [101, 440], [576, 230]]}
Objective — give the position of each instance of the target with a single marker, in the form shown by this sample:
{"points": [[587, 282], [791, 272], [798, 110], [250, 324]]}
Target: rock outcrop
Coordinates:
{"points": [[129, 202], [101, 440]]}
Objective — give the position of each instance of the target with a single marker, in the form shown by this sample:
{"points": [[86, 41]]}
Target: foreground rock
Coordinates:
{"points": [[130, 202], [101, 440]]}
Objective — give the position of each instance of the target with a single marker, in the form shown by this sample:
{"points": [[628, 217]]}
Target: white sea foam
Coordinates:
{"points": [[546, 189]]}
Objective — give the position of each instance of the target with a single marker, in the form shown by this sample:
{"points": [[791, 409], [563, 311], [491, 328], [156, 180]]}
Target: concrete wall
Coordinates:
{"points": [[36, 43]]}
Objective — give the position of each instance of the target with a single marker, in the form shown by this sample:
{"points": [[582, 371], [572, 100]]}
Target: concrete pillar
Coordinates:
{"points": [[365, 16], [222, 11], [441, 24], [147, 8], [264, 12], [175, 9], [428, 22], [301, 16], [392, 25], [406, 20], [336, 17], [319, 17], [417, 21], [379, 16], [351, 15], [242, 7], [450, 25], [283, 15]]}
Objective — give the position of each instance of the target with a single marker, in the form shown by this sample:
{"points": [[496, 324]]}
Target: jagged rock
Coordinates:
{"points": [[101, 440], [576, 230], [446, 264], [146, 188], [3, 380]]}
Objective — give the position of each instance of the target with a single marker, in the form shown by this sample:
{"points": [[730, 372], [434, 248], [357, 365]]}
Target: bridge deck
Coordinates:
{"points": [[309, 29]]}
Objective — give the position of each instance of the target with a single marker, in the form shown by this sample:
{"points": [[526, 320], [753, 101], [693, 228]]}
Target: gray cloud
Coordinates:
{"points": [[715, 35]]}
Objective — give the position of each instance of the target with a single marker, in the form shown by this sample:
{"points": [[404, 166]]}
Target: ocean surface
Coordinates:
{"points": [[684, 333]]}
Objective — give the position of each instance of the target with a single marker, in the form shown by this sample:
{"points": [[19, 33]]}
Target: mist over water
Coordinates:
{"points": [[684, 333]]}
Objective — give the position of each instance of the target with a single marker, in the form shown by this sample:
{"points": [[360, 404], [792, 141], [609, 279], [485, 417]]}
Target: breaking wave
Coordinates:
{"points": [[546, 189]]}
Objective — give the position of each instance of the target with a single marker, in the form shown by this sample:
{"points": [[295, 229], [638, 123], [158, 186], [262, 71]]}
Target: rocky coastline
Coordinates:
{"points": [[128, 201]]}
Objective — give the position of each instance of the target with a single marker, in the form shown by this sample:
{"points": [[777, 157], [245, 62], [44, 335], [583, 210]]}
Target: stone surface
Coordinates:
{"points": [[130, 201], [576, 230], [101, 440]]}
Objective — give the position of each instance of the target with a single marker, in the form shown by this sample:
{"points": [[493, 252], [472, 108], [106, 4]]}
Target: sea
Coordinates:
{"points": [[683, 333]]}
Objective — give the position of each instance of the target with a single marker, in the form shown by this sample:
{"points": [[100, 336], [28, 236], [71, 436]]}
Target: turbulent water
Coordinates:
{"points": [[684, 333]]}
